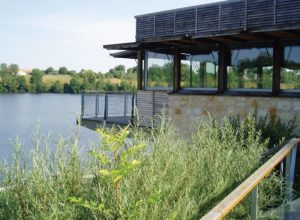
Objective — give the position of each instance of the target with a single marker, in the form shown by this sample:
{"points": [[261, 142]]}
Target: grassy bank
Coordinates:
{"points": [[169, 178]]}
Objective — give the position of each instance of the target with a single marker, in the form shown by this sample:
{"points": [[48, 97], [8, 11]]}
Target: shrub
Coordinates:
{"points": [[175, 178]]}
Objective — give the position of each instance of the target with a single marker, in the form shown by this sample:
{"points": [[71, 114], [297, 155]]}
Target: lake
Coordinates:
{"points": [[54, 114]]}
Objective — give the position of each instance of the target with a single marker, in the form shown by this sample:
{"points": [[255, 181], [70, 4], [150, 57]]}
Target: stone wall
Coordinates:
{"points": [[186, 110]]}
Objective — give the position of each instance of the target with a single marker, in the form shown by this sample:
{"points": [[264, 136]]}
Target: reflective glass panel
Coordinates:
{"points": [[200, 70], [250, 69], [160, 70], [290, 72]]}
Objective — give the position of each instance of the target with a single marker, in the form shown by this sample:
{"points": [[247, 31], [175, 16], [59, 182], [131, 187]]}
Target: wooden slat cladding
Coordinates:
{"points": [[185, 21], [208, 19], [221, 18], [287, 12], [145, 27], [260, 13], [233, 16], [150, 105], [164, 24]]}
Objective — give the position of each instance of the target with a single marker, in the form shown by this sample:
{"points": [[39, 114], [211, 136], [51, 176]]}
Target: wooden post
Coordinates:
{"points": [[223, 62], [277, 63], [177, 70], [202, 74], [140, 70], [259, 81]]}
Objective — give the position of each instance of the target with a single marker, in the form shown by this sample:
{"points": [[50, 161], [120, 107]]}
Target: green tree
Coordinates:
{"points": [[36, 81], [14, 68], [9, 82], [49, 71], [75, 84], [57, 87], [3, 67], [63, 71], [23, 85]]}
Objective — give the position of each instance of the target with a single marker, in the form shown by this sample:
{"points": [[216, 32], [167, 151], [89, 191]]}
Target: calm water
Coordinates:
{"points": [[21, 114]]}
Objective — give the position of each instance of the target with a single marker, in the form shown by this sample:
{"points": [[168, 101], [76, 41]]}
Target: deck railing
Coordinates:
{"points": [[250, 185], [111, 107]]}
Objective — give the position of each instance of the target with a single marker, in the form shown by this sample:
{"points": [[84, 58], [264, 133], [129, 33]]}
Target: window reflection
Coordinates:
{"points": [[250, 69], [160, 70], [290, 72], [200, 70]]}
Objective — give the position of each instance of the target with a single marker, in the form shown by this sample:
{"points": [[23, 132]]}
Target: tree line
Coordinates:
{"points": [[117, 79]]}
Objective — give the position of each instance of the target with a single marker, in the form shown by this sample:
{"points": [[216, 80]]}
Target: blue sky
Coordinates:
{"points": [[43, 33]]}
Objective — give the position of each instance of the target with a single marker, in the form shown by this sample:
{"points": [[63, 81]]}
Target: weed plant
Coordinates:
{"points": [[169, 178]]}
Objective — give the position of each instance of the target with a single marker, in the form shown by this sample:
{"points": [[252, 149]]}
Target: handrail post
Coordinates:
{"points": [[254, 203], [106, 107], [97, 106], [132, 108], [82, 105], [125, 104], [290, 163]]}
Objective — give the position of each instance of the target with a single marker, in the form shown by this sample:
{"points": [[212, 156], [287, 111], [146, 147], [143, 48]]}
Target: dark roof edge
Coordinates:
{"points": [[122, 46]]}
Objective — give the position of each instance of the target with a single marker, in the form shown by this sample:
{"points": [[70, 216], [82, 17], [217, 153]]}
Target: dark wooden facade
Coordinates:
{"points": [[221, 26], [225, 18]]}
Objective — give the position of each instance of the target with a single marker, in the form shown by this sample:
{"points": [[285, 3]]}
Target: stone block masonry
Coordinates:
{"points": [[186, 110]]}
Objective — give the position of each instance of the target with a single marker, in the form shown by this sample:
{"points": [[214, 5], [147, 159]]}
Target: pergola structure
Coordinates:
{"points": [[235, 47]]}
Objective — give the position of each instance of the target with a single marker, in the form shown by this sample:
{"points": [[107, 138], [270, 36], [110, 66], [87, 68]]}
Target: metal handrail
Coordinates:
{"points": [[250, 185]]}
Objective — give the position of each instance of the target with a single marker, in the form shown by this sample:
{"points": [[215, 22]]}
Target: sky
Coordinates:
{"points": [[71, 33]]}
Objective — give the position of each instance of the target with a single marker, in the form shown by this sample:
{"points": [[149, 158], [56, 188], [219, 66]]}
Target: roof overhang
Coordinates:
{"points": [[193, 45]]}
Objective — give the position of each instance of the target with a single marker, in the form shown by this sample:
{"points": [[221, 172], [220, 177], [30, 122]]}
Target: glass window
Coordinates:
{"points": [[290, 72], [250, 69], [159, 70], [199, 71]]}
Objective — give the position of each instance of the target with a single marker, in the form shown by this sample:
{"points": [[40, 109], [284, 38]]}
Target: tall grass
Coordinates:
{"points": [[177, 178]]}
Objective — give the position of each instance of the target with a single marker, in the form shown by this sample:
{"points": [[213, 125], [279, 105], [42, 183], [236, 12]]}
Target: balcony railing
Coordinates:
{"points": [[115, 108], [286, 157]]}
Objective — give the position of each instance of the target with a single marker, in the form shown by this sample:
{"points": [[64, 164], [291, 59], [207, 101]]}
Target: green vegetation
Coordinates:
{"points": [[66, 81], [168, 178]]}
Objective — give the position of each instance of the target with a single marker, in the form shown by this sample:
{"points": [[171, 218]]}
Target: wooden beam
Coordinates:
{"points": [[177, 70], [277, 63], [140, 70]]}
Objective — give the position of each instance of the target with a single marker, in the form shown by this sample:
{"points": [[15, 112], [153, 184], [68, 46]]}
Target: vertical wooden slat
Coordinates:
{"points": [[275, 11], [140, 70]]}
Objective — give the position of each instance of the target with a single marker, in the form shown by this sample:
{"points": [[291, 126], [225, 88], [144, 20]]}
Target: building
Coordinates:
{"points": [[233, 57], [24, 72]]}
